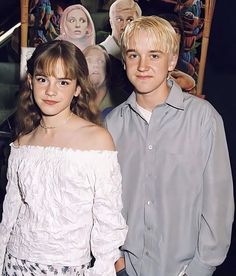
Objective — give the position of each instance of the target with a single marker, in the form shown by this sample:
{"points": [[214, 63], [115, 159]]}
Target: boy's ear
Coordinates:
{"points": [[172, 62], [77, 91]]}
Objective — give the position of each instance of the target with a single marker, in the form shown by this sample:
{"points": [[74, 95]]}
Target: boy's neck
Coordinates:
{"points": [[151, 100]]}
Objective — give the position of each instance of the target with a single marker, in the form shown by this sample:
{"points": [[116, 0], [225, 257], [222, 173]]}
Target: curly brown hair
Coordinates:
{"points": [[43, 60]]}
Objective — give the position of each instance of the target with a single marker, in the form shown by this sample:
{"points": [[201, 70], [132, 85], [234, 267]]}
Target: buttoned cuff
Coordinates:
{"points": [[196, 268], [121, 253]]}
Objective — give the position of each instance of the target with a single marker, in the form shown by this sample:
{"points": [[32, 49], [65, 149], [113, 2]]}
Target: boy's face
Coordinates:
{"points": [[147, 68], [119, 21]]}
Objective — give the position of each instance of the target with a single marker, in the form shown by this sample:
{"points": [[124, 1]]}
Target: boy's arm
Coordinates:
{"points": [[218, 204]]}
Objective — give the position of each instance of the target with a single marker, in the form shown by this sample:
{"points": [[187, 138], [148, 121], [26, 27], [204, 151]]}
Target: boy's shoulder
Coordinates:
{"points": [[116, 112], [200, 109], [197, 102]]}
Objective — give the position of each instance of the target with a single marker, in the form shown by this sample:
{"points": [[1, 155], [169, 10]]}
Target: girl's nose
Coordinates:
{"points": [[50, 90]]}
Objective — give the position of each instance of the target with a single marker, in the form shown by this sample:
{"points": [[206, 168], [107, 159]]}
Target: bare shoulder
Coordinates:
{"points": [[24, 140], [100, 138], [96, 138]]}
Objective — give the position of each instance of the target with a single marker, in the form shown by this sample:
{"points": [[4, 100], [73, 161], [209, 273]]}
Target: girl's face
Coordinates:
{"points": [[77, 23], [97, 67], [53, 94]]}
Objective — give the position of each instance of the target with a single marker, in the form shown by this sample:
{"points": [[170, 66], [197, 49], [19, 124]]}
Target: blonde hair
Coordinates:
{"points": [[159, 29], [121, 5]]}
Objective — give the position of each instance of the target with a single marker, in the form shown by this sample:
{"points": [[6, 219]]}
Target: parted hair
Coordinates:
{"points": [[43, 61], [159, 30]]}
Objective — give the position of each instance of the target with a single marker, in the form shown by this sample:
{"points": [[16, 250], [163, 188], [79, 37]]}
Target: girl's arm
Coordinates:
{"points": [[11, 206], [109, 230]]}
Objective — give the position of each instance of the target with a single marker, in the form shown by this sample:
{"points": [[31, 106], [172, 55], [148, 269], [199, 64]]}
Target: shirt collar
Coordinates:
{"points": [[174, 99]]}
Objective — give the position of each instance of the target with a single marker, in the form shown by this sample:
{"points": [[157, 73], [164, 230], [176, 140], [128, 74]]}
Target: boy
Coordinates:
{"points": [[177, 182]]}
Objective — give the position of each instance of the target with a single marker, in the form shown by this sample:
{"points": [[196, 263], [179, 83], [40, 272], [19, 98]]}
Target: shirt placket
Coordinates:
{"points": [[151, 236]]}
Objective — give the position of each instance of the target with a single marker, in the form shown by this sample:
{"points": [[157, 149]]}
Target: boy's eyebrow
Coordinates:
{"points": [[151, 51], [130, 50]]}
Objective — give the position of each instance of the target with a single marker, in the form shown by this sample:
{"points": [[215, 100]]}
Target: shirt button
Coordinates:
{"points": [[147, 253], [150, 147], [149, 202]]}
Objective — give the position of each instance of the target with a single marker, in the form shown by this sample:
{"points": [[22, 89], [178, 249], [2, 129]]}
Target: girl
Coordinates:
{"points": [[77, 26], [63, 196]]}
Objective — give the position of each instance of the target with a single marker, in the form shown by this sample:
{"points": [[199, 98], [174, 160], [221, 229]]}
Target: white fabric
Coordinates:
{"points": [[111, 47], [26, 53], [145, 113], [57, 200]]}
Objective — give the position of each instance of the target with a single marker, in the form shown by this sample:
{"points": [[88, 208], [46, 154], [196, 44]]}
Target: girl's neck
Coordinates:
{"points": [[55, 122]]}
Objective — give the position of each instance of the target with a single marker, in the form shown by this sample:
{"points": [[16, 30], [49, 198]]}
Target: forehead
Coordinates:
{"points": [[95, 53], [76, 13], [143, 38], [52, 67], [124, 13]]}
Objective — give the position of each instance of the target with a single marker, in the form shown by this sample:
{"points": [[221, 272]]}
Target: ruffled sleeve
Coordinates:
{"points": [[11, 206], [109, 228]]}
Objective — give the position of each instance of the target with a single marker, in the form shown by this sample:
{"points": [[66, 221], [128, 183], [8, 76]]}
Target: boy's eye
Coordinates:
{"points": [[119, 19], [130, 20], [154, 56], [132, 56]]}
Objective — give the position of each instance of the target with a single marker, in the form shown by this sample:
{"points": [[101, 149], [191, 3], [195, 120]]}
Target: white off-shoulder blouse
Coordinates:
{"points": [[61, 204]]}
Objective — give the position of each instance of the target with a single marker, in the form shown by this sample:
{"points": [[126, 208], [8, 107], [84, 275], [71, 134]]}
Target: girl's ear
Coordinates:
{"points": [[77, 91], [29, 79]]}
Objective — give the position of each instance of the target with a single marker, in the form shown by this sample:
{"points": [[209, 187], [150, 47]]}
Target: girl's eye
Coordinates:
{"points": [[41, 79], [64, 83], [82, 20], [72, 20]]}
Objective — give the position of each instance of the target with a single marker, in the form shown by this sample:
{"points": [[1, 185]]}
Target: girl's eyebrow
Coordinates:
{"points": [[64, 78], [61, 78]]}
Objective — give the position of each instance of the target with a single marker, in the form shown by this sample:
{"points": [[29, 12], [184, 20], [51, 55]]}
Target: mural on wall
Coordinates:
{"points": [[44, 21], [187, 16]]}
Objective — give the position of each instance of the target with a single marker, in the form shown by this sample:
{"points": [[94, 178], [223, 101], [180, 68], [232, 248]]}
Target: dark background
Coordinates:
{"points": [[219, 88]]}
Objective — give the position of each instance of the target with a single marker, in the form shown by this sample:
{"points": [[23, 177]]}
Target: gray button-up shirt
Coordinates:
{"points": [[177, 186]]}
